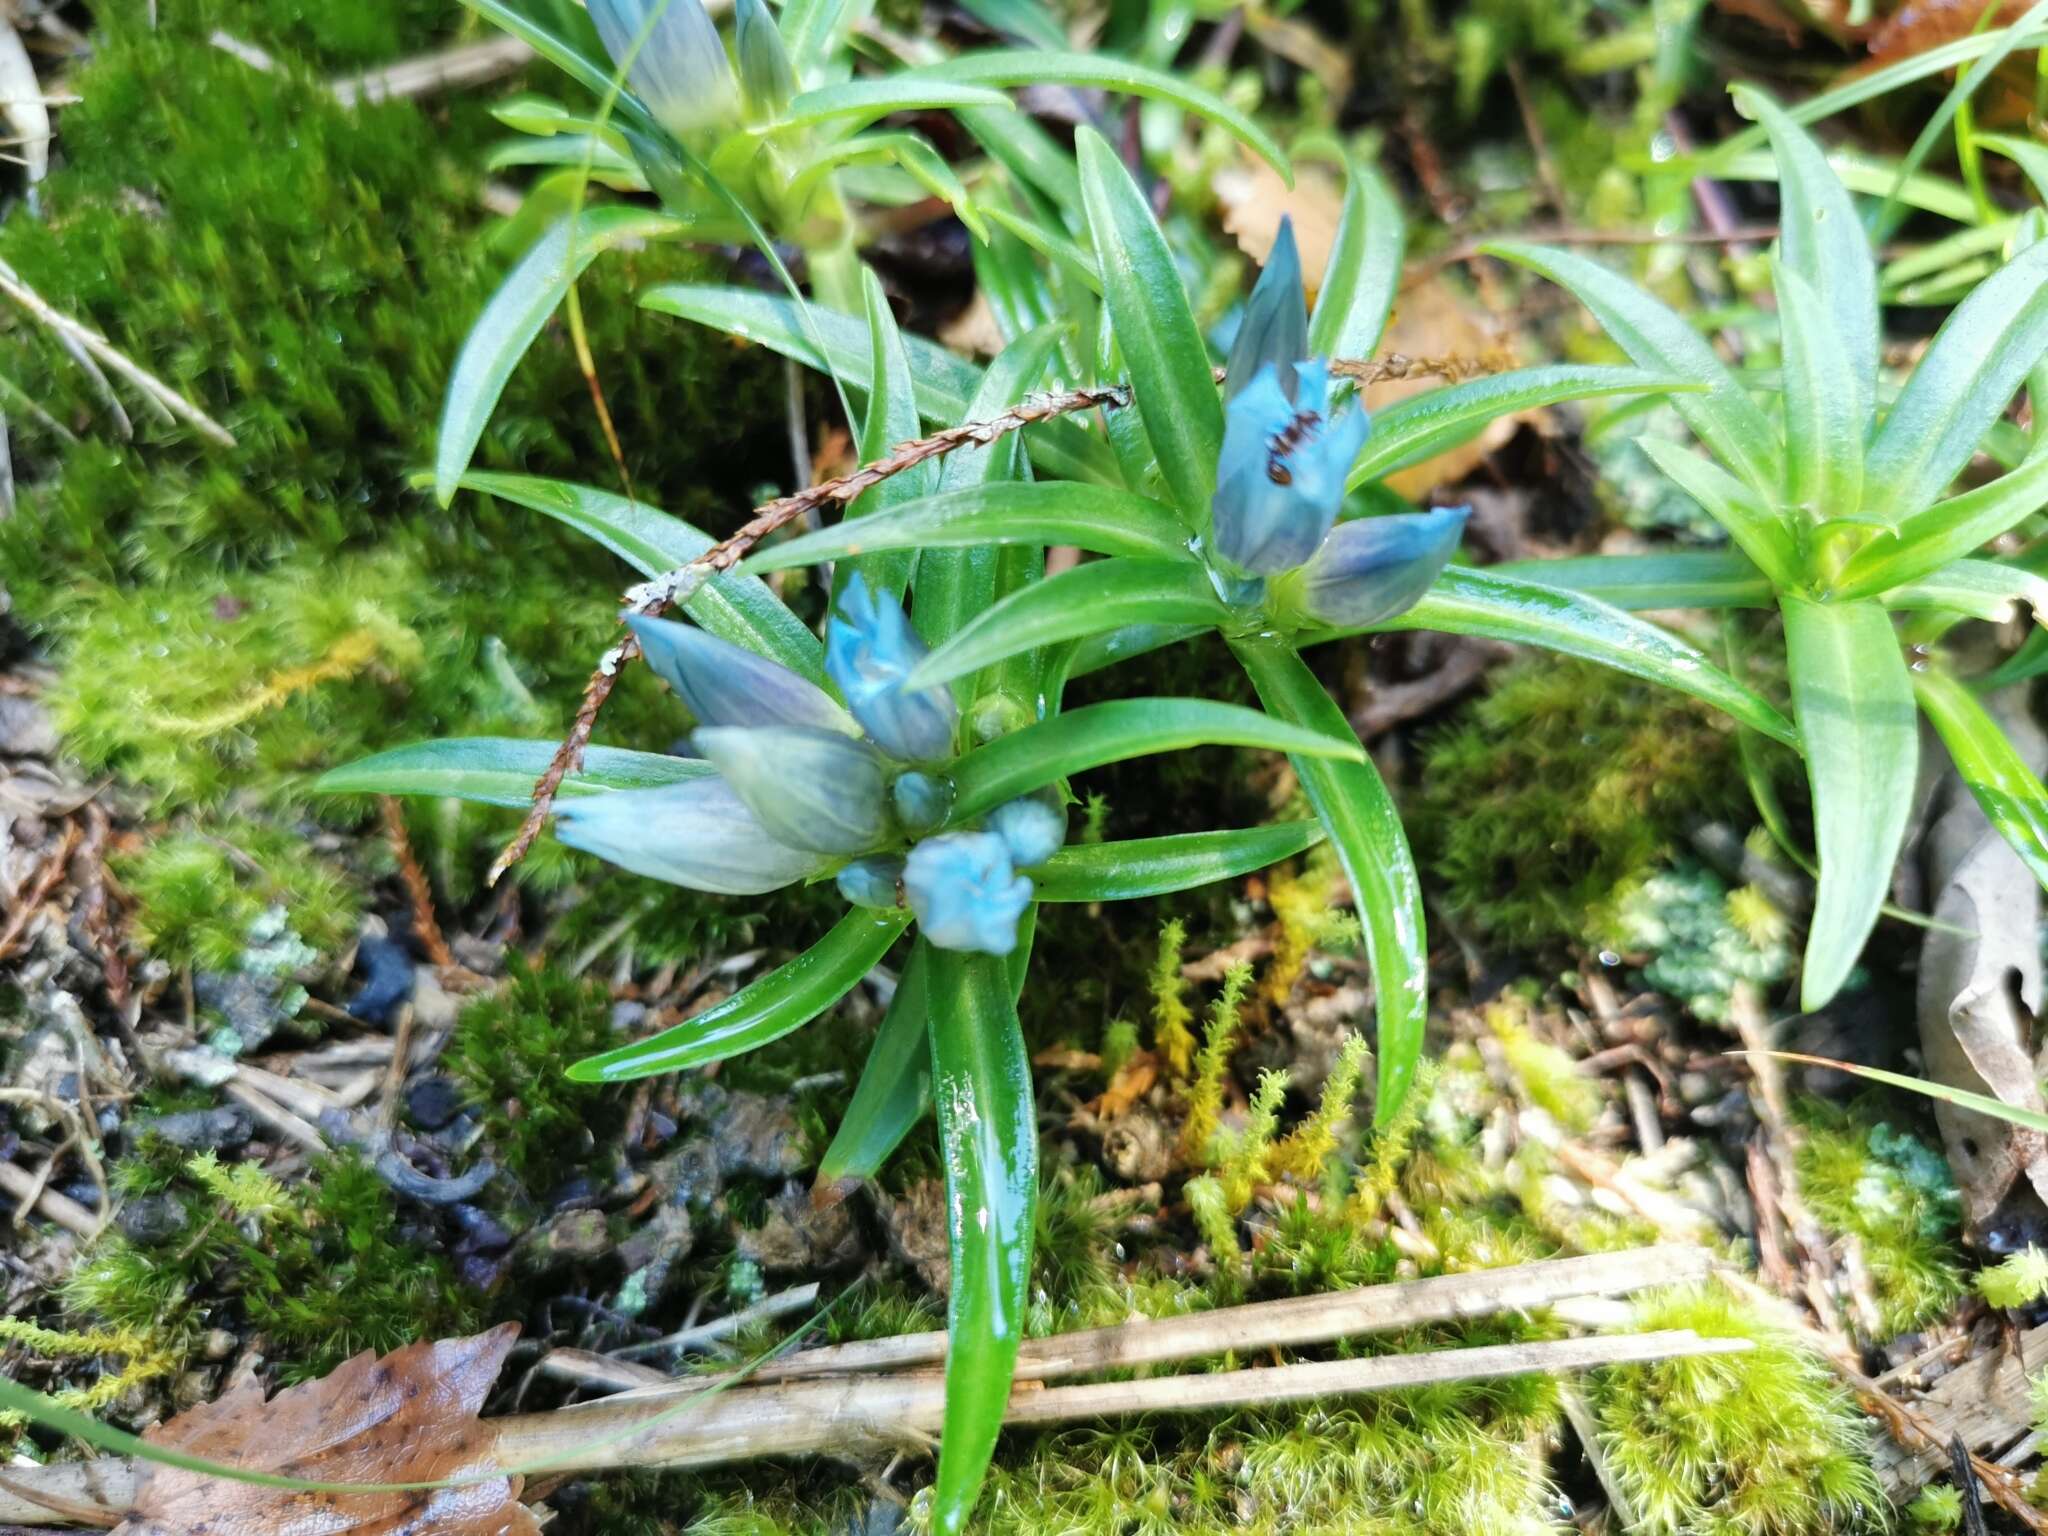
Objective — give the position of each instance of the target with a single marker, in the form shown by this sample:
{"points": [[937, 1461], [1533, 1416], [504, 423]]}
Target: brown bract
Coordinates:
{"points": [[410, 1417]]}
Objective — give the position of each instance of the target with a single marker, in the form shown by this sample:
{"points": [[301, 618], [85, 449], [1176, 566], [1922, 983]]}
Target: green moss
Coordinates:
{"points": [[320, 1269], [1757, 1444], [1698, 939], [1894, 1194], [1563, 784], [201, 898], [510, 1048]]}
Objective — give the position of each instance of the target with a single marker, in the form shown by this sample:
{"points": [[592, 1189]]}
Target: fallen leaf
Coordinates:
{"points": [[1133, 1080], [1254, 200], [1434, 319], [410, 1417], [1913, 29]]}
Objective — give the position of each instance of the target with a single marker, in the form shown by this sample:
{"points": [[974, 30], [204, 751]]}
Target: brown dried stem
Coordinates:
{"points": [[681, 584], [425, 926]]}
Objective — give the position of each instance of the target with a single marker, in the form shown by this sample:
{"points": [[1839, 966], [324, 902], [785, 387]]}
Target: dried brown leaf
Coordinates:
{"points": [[409, 1417]]}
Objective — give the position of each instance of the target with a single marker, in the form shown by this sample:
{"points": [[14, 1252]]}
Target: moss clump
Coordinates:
{"points": [[320, 1269], [1699, 939], [1563, 784], [1893, 1193], [510, 1049], [203, 898]]}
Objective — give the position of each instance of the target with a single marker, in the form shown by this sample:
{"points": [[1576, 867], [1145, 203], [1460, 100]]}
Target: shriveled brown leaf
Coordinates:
{"points": [[1435, 319], [1255, 199], [410, 1417], [1915, 28], [1133, 1080]]}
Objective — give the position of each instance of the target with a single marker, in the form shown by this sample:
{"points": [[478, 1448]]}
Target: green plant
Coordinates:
{"points": [[1833, 499]]}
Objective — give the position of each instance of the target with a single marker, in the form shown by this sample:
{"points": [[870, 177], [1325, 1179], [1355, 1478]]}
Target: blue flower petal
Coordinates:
{"points": [[1377, 568], [726, 684], [872, 882], [1280, 478], [680, 71], [816, 790], [1275, 326], [923, 801], [1033, 828], [697, 834], [965, 892], [870, 649]]}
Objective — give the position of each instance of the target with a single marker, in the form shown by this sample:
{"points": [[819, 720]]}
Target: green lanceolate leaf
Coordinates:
{"points": [[1854, 703], [2005, 786], [1420, 426], [908, 90], [1022, 66], [787, 998], [1093, 597], [1094, 517], [1979, 589], [514, 316], [1968, 376], [1962, 1098], [1171, 381], [1095, 734], [956, 581], [501, 770], [895, 1087], [1743, 512], [733, 607], [1352, 802], [1939, 535], [891, 418], [1469, 602], [1363, 271], [1159, 866], [811, 29], [1821, 239], [1824, 417], [592, 73], [1658, 339], [1679, 578], [988, 1141], [945, 384]]}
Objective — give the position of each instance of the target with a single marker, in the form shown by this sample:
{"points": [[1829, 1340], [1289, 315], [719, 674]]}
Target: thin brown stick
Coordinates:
{"points": [[835, 1416], [31, 901], [449, 69], [426, 928], [680, 585], [18, 1184]]}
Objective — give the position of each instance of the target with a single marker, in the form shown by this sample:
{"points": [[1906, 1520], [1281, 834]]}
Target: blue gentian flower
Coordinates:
{"points": [[872, 882], [1032, 828], [1280, 479], [870, 649], [1376, 568], [698, 834], [965, 892], [815, 790], [1275, 324], [765, 73], [727, 684], [923, 801], [679, 69]]}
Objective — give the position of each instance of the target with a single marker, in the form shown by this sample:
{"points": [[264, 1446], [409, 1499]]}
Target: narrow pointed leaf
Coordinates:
{"points": [[500, 770], [2009, 790], [1679, 578], [733, 607], [1023, 66], [1095, 734], [1171, 381], [1353, 805], [895, 1087], [591, 71], [1854, 703], [787, 998], [513, 317], [907, 90], [1657, 338], [1962, 1098], [1821, 238], [988, 1144], [1095, 596], [1745, 514], [1159, 866], [1963, 384], [1470, 602], [945, 384], [1094, 517], [891, 418], [1421, 426], [1364, 269], [1982, 589], [1937, 536], [1824, 416]]}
